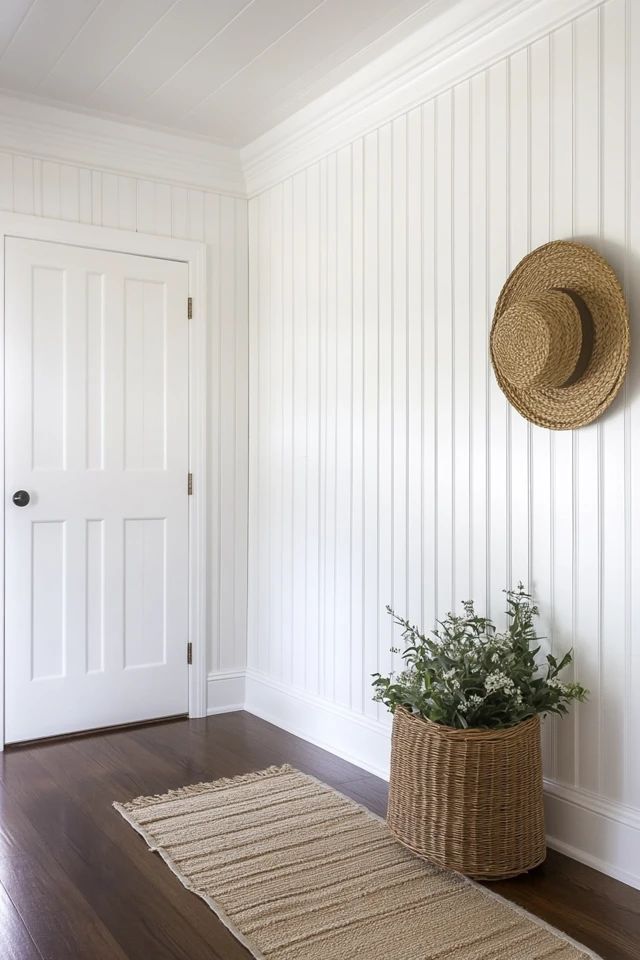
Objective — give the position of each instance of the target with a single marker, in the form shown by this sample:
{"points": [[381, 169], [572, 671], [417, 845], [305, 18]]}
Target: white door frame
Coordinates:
{"points": [[165, 248]]}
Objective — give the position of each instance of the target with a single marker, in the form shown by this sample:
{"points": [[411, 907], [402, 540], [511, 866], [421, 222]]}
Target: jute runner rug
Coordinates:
{"points": [[296, 871]]}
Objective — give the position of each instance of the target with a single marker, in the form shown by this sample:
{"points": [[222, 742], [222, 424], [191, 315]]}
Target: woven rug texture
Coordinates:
{"points": [[297, 871]]}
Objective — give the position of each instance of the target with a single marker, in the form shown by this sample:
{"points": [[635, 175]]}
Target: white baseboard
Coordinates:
{"points": [[601, 834], [225, 692], [359, 740]]}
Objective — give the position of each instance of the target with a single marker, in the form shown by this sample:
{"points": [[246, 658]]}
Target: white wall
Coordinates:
{"points": [[385, 464], [34, 185]]}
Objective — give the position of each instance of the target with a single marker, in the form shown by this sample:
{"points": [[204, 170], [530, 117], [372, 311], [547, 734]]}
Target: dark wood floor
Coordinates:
{"points": [[76, 883]]}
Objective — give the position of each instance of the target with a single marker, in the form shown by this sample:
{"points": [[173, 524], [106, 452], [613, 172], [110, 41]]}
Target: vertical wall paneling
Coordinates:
{"points": [[541, 442], [228, 430], [311, 634], [254, 372], [84, 197], [386, 351], [429, 366], [563, 443], [499, 413], [371, 337], [399, 372], [632, 451], [356, 645], [299, 410], [262, 489], [23, 184], [587, 224], [330, 418], [614, 519], [399, 473], [6, 181], [344, 427], [518, 243], [110, 200], [479, 319], [461, 345], [413, 502], [444, 355], [287, 431], [240, 398], [276, 440], [214, 238]]}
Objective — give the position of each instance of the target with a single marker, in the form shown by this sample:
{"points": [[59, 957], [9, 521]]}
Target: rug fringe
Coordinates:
{"points": [[193, 789]]}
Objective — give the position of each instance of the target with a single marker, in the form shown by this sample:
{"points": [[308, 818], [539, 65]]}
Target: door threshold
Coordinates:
{"points": [[94, 731]]}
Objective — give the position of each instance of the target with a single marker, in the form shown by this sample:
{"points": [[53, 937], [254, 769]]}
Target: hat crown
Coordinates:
{"points": [[536, 342]]}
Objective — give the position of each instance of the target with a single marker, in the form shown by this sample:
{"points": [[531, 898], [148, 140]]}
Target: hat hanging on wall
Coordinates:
{"points": [[560, 336]]}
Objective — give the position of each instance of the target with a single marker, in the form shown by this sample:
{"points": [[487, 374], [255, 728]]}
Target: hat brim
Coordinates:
{"points": [[568, 265]]}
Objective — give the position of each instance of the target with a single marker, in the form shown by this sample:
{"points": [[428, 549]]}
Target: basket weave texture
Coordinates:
{"points": [[468, 800], [531, 341]]}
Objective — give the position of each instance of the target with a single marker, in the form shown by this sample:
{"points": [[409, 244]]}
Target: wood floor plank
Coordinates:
{"points": [[140, 906], [78, 884], [163, 891], [51, 905], [15, 940]]}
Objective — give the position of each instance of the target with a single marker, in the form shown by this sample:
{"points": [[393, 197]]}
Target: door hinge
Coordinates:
{"points": [[189, 653], [189, 308], [189, 484]]}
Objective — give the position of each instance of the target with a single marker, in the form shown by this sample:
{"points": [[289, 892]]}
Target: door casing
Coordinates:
{"points": [[194, 255]]}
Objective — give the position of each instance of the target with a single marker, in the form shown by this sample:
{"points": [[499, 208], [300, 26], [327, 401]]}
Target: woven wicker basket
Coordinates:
{"points": [[468, 800]]}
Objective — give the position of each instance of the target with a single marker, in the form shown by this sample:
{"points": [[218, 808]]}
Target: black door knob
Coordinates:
{"points": [[21, 498]]}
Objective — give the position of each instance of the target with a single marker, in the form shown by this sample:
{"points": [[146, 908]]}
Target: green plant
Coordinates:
{"points": [[471, 675]]}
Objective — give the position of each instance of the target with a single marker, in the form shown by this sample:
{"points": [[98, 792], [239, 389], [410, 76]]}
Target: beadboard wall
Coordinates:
{"points": [[41, 187], [386, 466]]}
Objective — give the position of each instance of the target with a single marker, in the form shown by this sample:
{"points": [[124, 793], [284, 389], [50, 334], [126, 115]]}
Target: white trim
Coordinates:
{"points": [[225, 692], [193, 254], [609, 809], [320, 722], [602, 866], [602, 834], [457, 42], [56, 133]]}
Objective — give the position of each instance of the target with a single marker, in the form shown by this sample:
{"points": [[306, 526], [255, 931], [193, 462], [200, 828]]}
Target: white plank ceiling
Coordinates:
{"points": [[224, 69]]}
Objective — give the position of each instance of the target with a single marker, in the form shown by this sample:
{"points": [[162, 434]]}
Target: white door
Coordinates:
{"points": [[96, 438]]}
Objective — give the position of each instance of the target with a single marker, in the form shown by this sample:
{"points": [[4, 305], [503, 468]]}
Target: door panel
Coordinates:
{"points": [[49, 566], [97, 433], [145, 593]]}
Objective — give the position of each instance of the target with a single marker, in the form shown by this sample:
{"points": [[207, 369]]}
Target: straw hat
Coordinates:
{"points": [[560, 336]]}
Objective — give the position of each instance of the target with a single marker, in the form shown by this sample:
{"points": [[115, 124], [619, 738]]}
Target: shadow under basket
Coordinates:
{"points": [[468, 800]]}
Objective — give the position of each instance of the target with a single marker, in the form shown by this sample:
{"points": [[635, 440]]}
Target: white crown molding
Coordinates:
{"points": [[458, 41], [54, 133]]}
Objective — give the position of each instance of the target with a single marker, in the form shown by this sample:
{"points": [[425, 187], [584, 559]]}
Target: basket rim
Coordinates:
{"points": [[469, 733]]}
